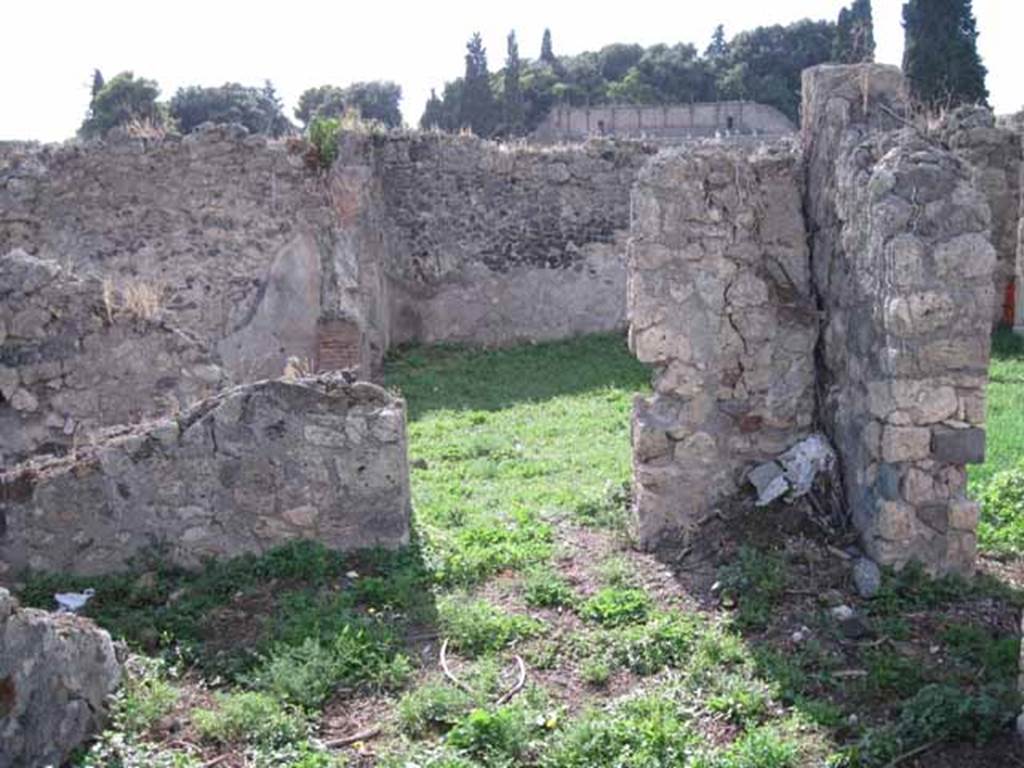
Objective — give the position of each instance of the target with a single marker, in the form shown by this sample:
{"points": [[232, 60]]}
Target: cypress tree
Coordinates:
{"points": [[842, 45], [547, 54], [862, 31], [97, 82], [433, 113], [477, 108], [940, 55], [855, 34], [513, 112], [717, 48]]}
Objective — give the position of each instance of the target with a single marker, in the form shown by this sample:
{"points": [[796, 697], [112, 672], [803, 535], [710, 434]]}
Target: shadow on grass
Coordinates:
{"points": [[452, 377], [232, 616]]}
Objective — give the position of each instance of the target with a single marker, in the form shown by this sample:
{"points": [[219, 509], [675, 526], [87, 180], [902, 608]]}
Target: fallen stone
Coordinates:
{"points": [[792, 474], [56, 672], [769, 479], [867, 577], [842, 612]]}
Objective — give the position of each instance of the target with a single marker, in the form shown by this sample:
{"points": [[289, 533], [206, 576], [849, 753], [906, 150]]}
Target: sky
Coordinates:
{"points": [[51, 48]]}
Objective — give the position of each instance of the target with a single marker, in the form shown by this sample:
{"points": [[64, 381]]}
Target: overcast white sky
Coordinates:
{"points": [[50, 48]]}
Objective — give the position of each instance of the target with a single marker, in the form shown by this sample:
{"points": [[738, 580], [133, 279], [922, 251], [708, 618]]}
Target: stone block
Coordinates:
{"points": [[958, 446], [56, 674], [964, 514], [905, 443], [894, 521]]}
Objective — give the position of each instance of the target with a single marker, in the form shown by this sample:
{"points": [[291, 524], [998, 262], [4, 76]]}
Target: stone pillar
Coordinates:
{"points": [[903, 265], [720, 304]]}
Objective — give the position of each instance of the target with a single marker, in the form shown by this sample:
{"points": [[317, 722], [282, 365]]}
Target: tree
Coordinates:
{"points": [[513, 114], [766, 63], [120, 102], [258, 109], [97, 83], [478, 108], [717, 49], [376, 100], [547, 53], [324, 100], [940, 54], [855, 34], [433, 113]]}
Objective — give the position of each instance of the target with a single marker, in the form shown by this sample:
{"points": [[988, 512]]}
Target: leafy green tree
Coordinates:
{"points": [[547, 53], [614, 61], [765, 64], [258, 109], [940, 54], [376, 100], [855, 34], [120, 102], [324, 100], [478, 108], [513, 112]]}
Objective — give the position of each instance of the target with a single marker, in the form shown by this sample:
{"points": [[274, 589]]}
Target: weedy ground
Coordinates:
{"points": [[564, 646]]}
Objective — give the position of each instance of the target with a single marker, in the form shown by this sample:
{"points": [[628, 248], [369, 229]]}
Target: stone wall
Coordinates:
{"points": [[670, 123], [493, 244], [993, 155], [56, 674], [233, 233], [247, 258], [720, 303], [251, 468], [903, 267], [77, 354]]}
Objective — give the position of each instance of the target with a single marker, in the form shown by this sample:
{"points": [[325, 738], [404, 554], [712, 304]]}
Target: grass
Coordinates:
{"points": [[999, 482], [520, 486]]}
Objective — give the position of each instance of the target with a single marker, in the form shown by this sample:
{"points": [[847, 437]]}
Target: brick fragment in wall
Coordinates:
{"points": [[338, 345]]}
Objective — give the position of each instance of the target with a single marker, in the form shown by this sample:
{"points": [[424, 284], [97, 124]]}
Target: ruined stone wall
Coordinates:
{"points": [[77, 354], [234, 234], [720, 303], [492, 244], [244, 471], [409, 237], [993, 155], [903, 269]]}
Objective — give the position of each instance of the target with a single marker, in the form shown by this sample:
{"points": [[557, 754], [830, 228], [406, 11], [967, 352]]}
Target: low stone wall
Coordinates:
{"points": [[251, 468], [56, 672], [80, 354], [720, 303], [903, 267]]}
